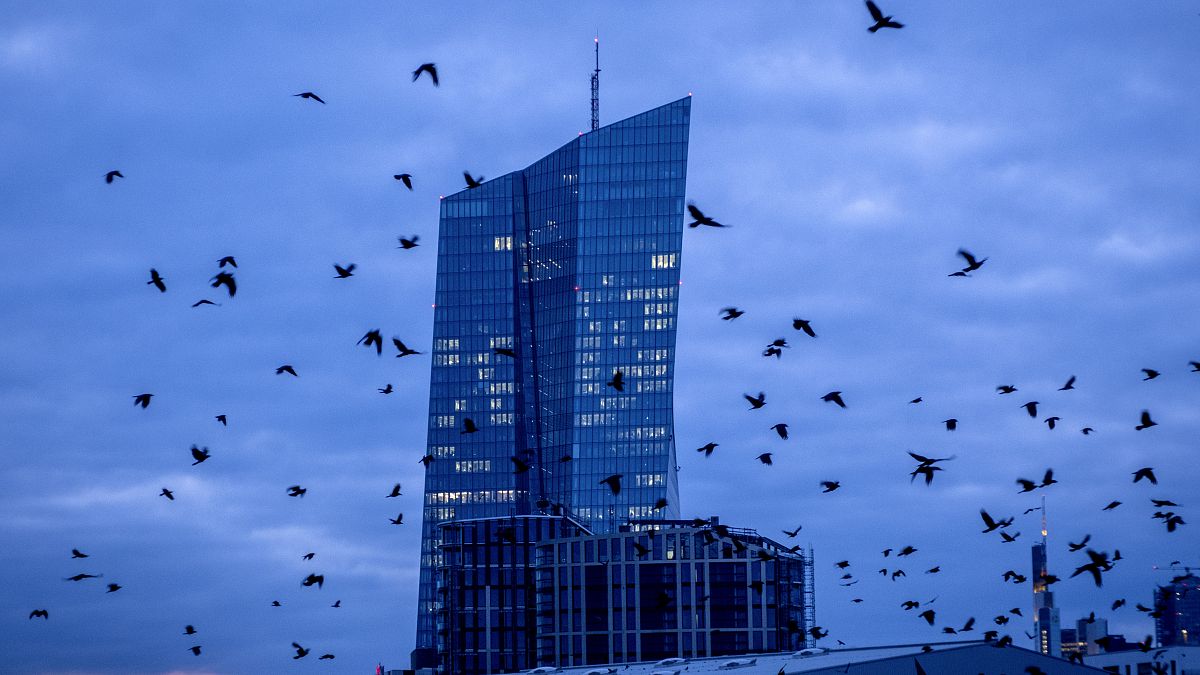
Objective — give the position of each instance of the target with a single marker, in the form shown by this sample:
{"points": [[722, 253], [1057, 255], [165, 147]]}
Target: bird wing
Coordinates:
{"points": [[962, 252], [878, 16]]}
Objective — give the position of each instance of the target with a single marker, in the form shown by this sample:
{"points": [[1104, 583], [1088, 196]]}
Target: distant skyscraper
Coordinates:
{"points": [[1047, 625], [1178, 603], [551, 281]]}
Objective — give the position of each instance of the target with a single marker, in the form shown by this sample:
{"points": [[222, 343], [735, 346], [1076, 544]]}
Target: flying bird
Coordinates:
{"points": [[504, 351], [1006, 389], [792, 533], [142, 400], [81, 577], [108, 177], [1195, 366], [76, 553], [223, 420], [781, 429], [395, 491], [405, 178], [301, 652], [765, 458], [1150, 374], [39, 612], [189, 630], [113, 588], [403, 349], [194, 649], [157, 281], [881, 21], [698, 218], [614, 483], [199, 454], [1009, 538], [425, 460], [991, 524], [226, 279], [707, 448], [1087, 431], [205, 301], [1147, 473], [296, 491], [830, 485], [929, 616], [805, 326], [951, 424], [1069, 385], [472, 182], [286, 368], [1111, 505], [1098, 564], [386, 390], [168, 494], [307, 556], [398, 520], [730, 313], [227, 260], [325, 657], [1051, 420], [972, 263], [311, 96], [318, 579], [337, 604], [344, 272], [1031, 408], [1082, 543], [756, 402], [372, 338], [468, 426], [834, 397], [430, 69], [618, 381], [408, 242], [1146, 421], [916, 400]]}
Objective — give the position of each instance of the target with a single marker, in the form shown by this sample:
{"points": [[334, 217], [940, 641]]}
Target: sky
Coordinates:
{"points": [[1057, 140]]}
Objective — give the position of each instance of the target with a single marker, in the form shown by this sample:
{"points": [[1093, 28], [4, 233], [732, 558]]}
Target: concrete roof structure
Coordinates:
{"points": [[943, 658]]}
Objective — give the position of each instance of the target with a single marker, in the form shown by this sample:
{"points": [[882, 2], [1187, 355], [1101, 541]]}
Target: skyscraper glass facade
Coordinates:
{"points": [[549, 281]]}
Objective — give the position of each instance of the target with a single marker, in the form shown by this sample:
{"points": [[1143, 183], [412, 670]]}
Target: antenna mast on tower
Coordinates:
{"points": [[596, 88]]}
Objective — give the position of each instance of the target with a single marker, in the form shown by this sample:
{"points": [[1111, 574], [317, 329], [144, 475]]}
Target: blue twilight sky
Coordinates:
{"points": [[1060, 140]]}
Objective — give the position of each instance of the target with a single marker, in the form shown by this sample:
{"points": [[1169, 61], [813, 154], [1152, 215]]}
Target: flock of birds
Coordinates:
{"points": [[1097, 564]]}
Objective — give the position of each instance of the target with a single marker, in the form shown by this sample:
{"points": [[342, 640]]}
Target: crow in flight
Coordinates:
{"points": [[468, 426], [76, 553], [142, 400], [781, 429], [1006, 389], [408, 242], [344, 272], [1146, 421], [168, 494], [318, 579], [301, 652], [286, 368], [405, 178], [226, 279], [199, 455], [805, 326], [472, 182], [108, 177], [39, 612], [296, 491], [311, 96], [156, 281], [1147, 473], [1069, 385], [395, 491], [1031, 408], [881, 21], [1150, 374], [398, 520], [707, 448], [223, 420], [614, 483], [834, 397], [756, 402], [618, 381], [372, 338], [403, 349], [429, 68], [227, 260], [698, 218], [730, 313]]}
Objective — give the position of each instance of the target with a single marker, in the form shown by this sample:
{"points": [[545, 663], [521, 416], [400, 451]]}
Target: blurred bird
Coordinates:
{"points": [[765, 458], [204, 301], [660, 504], [519, 465], [773, 351], [344, 272], [386, 390], [1069, 385], [1098, 564], [1009, 538], [972, 263], [1051, 420], [882, 21], [834, 397], [1195, 366], [1146, 421], [614, 483], [223, 420], [286, 368], [991, 524], [830, 485], [618, 381], [194, 649], [301, 652], [929, 615], [226, 279], [698, 218], [1087, 430], [756, 402], [398, 520], [76, 553], [157, 281], [227, 260], [372, 338], [311, 96], [428, 68], [805, 326], [199, 455], [425, 460], [113, 588], [318, 579], [1111, 505], [142, 400], [168, 494], [730, 313], [1150, 374], [325, 657], [1160, 503], [707, 448], [296, 491], [337, 604], [1075, 547], [1031, 408], [951, 424], [792, 533], [917, 400], [405, 178], [395, 491], [307, 556], [1006, 389], [276, 603], [407, 243], [1147, 473], [403, 349], [781, 429], [189, 630], [108, 177], [468, 426], [472, 182]]}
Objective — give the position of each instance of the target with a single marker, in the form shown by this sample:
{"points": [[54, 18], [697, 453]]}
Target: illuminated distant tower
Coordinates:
{"points": [[596, 89], [1046, 621]]}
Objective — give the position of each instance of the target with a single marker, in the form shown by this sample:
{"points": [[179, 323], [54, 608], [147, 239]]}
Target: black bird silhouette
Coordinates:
{"points": [[168, 494], [907, 550], [793, 533], [195, 649], [1075, 547], [296, 491], [301, 652], [108, 177], [199, 454], [1195, 366], [1009, 538], [76, 553], [39, 612], [916, 400], [472, 182], [730, 313], [1031, 408], [660, 503], [310, 95], [372, 338], [925, 470], [1087, 430], [398, 520], [113, 588], [519, 465], [1160, 503], [189, 630], [325, 657], [972, 263], [307, 556], [318, 579], [707, 448], [1006, 389], [951, 424], [805, 326], [698, 218], [1147, 473], [395, 491], [881, 21], [344, 272], [1150, 374], [142, 400], [223, 420], [618, 381], [468, 426], [504, 351], [429, 68], [337, 604], [386, 390], [403, 349], [781, 429], [830, 485], [1069, 385], [156, 281], [226, 279], [405, 178], [834, 397], [1051, 420], [765, 458], [275, 603], [1146, 421], [756, 402], [227, 260], [1098, 564], [425, 460], [1111, 505], [991, 524], [286, 368], [1048, 478], [613, 482], [408, 242], [773, 351], [929, 616]]}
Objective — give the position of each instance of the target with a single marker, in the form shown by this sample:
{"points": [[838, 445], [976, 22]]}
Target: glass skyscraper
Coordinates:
{"points": [[550, 280]]}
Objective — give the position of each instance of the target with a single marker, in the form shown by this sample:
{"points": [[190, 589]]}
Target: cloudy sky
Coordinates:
{"points": [[1060, 141]]}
